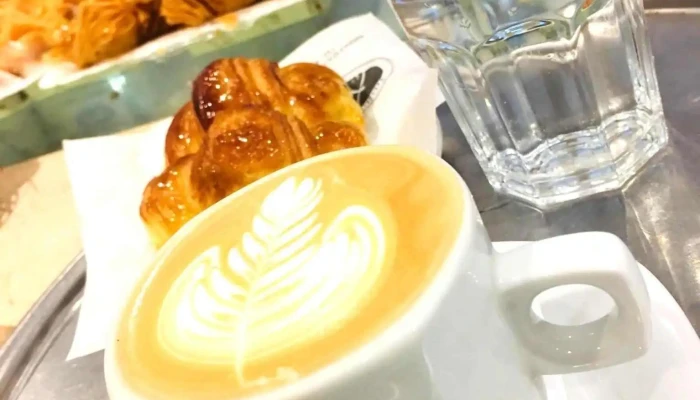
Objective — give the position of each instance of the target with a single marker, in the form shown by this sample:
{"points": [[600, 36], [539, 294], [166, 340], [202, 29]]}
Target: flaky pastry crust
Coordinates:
{"points": [[247, 119]]}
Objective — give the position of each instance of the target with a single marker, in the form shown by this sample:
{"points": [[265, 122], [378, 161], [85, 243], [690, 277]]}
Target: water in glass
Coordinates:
{"points": [[557, 98]]}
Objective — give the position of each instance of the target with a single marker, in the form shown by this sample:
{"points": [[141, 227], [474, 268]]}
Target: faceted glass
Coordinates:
{"points": [[557, 98]]}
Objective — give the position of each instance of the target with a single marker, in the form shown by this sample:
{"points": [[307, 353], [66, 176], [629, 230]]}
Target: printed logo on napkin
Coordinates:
{"points": [[366, 82]]}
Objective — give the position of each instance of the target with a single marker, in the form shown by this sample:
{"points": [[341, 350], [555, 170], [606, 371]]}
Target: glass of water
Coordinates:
{"points": [[557, 98]]}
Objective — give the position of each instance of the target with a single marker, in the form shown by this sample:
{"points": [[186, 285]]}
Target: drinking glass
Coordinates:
{"points": [[558, 99]]}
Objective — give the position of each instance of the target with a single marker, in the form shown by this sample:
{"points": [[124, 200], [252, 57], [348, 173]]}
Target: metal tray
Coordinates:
{"points": [[32, 363]]}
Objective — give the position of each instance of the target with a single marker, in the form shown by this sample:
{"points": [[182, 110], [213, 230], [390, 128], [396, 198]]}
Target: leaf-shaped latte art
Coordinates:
{"points": [[290, 279]]}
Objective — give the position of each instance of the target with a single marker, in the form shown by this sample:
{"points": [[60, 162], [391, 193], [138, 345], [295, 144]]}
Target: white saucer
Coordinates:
{"points": [[669, 371]]}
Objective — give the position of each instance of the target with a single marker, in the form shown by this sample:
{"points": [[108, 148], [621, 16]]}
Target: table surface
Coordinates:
{"points": [[658, 213], [39, 233]]}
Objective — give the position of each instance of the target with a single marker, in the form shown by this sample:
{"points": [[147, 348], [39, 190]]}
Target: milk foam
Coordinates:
{"points": [[290, 280]]}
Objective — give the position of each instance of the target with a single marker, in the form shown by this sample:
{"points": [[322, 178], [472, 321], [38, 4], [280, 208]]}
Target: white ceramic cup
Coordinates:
{"points": [[509, 346]]}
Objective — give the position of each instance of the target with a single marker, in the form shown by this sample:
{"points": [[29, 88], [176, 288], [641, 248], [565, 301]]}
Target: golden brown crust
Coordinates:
{"points": [[185, 12], [223, 85], [331, 136], [226, 6], [5, 333], [254, 139], [185, 135], [318, 95], [247, 119], [169, 200]]}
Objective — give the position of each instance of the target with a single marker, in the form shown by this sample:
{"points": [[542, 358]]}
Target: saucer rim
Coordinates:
{"points": [[660, 298]]}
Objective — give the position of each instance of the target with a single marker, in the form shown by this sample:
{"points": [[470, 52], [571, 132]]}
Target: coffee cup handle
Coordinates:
{"points": [[598, 259]]}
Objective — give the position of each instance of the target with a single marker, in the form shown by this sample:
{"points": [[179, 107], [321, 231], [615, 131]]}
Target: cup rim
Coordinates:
{"points": [[403, 332]]}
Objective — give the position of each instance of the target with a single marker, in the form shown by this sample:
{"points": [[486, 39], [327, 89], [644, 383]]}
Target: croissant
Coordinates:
{"points": [[247, 119], [197, 12]]}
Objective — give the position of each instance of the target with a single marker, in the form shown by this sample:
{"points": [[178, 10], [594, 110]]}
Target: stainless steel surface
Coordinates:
{"points": [[658, 215], [32, 362]]}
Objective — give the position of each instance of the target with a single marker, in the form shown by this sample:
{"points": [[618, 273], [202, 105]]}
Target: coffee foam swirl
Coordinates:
{"points": [[291, 279]]}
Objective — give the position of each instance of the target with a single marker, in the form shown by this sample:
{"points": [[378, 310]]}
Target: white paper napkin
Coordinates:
{"points": [[108, 174]]}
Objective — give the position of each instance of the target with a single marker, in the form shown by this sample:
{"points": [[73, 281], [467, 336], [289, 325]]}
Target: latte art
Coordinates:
{"points": [[286, 278], [291, 279]]}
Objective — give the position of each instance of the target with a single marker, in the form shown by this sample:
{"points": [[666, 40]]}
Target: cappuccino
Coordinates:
{"points": [[288, 275]]}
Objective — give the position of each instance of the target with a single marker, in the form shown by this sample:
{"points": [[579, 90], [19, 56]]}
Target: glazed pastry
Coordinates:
{"points": [[86, 32], [184, 136], [193, 13], [247, 119]]}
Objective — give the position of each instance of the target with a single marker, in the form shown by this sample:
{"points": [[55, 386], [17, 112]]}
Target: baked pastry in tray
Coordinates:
{"points": [[247, 118]]}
